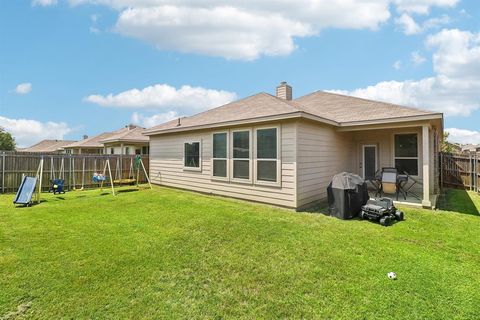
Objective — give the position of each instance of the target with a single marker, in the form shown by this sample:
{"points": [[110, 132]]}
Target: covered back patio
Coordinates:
{"points": [[411, 148]]}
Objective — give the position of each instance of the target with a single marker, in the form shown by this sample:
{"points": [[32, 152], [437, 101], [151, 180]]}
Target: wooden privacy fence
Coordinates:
{"points": [[76, 170], [460, 171]]}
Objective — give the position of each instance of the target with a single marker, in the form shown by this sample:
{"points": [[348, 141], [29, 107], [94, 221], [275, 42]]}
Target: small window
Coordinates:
{"points": [[267, 155], [145, 150], [192, 154], [112, 151], [127, 150], [219, 158], [241, 155], [406, 153]]}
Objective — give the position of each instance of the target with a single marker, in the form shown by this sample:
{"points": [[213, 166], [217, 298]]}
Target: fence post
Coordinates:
{"points": [[3, 172]]}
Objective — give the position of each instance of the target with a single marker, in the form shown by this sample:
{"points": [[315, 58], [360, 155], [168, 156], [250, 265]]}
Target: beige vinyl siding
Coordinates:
{"points": [[166, 168], [321, 153]]}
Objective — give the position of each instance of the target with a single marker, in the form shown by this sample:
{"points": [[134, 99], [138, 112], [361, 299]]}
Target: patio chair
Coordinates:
{"points": [[389, 182], [409, 189]]}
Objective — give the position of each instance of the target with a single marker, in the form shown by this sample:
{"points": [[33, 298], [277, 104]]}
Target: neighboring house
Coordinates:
{"points": [[285, 152], [127, 140], [470, 148], [48, 146], [131, 141]]}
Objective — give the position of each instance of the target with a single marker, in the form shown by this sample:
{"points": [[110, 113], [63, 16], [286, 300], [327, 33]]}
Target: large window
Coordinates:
{"points": [[220, 155], [241, 155], [266, 155], [406, 153], [192, 155]]}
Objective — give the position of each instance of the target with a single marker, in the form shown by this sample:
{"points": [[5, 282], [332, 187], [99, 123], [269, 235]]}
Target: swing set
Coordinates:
{"points": [[136, 164], [29, 190]]}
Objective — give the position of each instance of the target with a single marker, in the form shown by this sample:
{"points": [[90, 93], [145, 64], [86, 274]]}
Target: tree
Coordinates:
{"points": [[7, 142], [447, 146]]}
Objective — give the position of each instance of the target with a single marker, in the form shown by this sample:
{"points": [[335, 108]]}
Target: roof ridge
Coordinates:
{"points": [[370, 100]]}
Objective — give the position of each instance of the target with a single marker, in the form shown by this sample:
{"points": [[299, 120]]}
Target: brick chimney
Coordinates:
{"points": [[284, 91]]}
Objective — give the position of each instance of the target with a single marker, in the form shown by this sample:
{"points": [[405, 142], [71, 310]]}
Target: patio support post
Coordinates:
{"points": [[3, 172], [426, 166]]}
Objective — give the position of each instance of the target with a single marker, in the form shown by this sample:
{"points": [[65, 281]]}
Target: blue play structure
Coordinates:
{"points": [[56, 186], [25, 192], [98, 177]]}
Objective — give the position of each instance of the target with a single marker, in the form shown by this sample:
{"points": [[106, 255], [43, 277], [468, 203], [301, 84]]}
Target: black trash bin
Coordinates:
{"points": [[347, 193]]}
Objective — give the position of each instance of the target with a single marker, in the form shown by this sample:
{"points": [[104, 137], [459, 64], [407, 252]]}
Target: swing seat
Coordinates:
{"points": [[97, 178], [125, 181], [56, 186]]}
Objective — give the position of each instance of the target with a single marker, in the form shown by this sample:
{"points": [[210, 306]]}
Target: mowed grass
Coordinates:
{"points": [[165, 253]]}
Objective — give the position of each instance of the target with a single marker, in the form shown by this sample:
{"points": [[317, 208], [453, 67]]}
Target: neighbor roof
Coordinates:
{"points": [[117, 135], [134, 134], [331, 108], [47, 146], [92, 142]]}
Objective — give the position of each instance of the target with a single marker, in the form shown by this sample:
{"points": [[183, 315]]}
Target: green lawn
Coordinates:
{"points": [[165, 253]]}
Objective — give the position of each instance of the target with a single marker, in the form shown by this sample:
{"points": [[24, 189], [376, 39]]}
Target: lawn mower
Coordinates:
{"points": [[381, 210]]}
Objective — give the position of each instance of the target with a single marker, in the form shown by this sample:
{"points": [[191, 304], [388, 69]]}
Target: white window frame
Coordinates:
{"points": [[278, 160], [419, 173], [227, 178], [199, 168], [250, 160]]}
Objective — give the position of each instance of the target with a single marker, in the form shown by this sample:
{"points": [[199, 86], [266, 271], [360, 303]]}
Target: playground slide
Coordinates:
{"points": [[25, 191]]}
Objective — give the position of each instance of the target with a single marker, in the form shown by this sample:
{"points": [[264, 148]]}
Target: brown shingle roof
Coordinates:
{"points": [[134, 134], [343, 109], [92, 142], [326, 107], [48, 146], [129, 133], [256, 106]]}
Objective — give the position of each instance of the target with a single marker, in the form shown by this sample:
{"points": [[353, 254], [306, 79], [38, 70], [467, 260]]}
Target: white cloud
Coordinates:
{"points": [[463, 136], [397, 65], [23, 88], [455, 87], [417, 58], [44, 3], [457, 55], [93, 27], [165, 96], [409, 26], [27, 132], [221, 31], [156, 119], [248, 29], [436, 22], [422, 6]]}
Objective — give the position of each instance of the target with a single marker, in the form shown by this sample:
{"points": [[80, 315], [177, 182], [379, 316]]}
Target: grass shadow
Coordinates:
{"points": [[127, 190], [460, 201]]}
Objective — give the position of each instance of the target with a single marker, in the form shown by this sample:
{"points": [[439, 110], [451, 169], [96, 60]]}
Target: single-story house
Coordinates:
{"points": [[285, 151], [48, 146], [470, 148], [127, 140], [131, 141]]}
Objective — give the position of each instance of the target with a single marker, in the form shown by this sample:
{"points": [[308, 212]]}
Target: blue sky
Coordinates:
{"points": [[74, 67]]}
